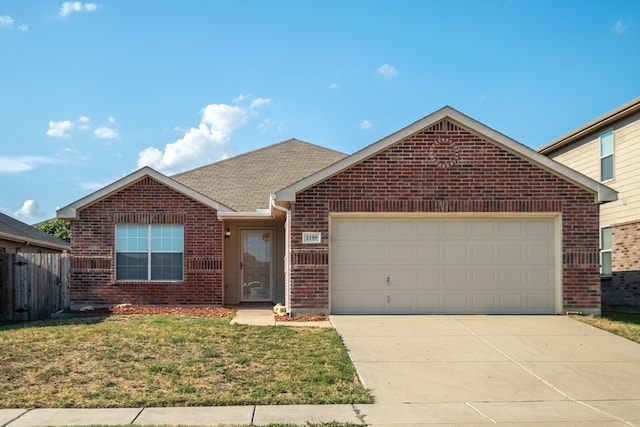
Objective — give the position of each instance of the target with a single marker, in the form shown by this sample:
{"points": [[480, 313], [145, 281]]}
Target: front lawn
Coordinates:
{"points": [[164, 360], [624, 324]]}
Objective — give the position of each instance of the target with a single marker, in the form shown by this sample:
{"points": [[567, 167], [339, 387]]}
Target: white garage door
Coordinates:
{"points": [[501, 265]]}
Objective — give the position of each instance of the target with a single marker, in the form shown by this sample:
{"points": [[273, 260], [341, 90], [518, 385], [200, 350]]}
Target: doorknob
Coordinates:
{"points": [[241, 265]]}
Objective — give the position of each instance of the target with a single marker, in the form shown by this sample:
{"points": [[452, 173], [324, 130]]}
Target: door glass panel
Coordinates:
{"points": [[256, 265]]}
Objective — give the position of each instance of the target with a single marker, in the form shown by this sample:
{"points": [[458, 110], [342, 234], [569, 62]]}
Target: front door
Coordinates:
{"points": [[255, 265]]}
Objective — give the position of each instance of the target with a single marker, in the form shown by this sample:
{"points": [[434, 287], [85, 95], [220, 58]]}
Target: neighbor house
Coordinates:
{"points": [[18, 237], [443, 216], [607, 150]]}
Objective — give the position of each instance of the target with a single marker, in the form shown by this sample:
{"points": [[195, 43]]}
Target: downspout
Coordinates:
{"points": [[287, 251]]}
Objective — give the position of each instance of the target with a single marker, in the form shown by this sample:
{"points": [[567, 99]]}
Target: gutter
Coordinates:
{"points": [[34, 242], [287, 250]]}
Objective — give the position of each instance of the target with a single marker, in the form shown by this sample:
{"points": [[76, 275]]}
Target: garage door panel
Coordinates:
{"points": [[512, 302], [428, 252], [455, 253], [539, 278], [483, 253], [356, 302], [429, 302], [443, 265], [457, 278], [538, 302], [358, 278], [484, 303], [428, 230], [399, 253], [456, 303], [428, 277], [401, 278], [539, 253], [484, 278]]}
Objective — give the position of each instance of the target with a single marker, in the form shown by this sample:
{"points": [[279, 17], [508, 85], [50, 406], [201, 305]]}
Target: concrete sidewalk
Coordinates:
{"points": [[264, 316], [200, 416]]}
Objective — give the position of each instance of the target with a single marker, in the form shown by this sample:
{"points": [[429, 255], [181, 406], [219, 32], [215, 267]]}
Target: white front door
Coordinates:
{"points": [[256, 266]]}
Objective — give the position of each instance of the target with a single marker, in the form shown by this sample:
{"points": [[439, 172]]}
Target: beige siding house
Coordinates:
{"points": [[607, 149]]}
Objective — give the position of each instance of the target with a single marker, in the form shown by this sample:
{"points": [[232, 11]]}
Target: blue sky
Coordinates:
{"points": [[91, 91]]}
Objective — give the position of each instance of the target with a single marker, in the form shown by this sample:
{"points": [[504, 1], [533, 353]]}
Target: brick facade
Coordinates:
{"points": [[445, 168], [622, 289], [146, 202]]}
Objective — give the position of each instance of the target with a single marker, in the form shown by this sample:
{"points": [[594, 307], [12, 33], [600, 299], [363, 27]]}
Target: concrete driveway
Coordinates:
{"points": [[487, 370]]}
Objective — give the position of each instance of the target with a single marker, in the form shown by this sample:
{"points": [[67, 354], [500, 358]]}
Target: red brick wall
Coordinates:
{"points": [[622, 290], [146, 202], [429, 173]]}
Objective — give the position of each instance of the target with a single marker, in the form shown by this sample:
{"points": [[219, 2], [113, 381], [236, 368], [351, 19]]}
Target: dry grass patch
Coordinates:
{"points": [[624, 324], [160, 360]]}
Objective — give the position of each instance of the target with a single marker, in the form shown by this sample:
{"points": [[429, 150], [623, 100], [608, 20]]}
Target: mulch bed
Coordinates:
{"points": [[303, 318], [178, 311], [189, 311]]}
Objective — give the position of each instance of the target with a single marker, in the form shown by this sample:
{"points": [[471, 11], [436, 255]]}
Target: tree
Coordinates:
{"points": [[56, 227]]}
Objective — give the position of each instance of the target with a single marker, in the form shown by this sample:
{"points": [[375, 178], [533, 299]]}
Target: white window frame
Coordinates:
{"points": [[149, 253], [604, 156], [606, 250]]}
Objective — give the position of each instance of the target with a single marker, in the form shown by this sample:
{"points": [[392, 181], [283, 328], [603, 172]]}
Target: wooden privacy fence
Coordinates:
{"points": [[32, 285]]}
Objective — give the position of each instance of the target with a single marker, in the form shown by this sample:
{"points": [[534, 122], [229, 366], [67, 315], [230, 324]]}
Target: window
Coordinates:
{"points": [[149, 252], [606, 156], [605, 251]]}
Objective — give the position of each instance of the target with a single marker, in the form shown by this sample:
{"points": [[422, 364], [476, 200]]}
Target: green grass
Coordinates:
{"points": [[624, 324], [161, 360]]}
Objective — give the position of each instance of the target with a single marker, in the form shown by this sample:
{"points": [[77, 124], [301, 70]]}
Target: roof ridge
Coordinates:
{"points": [[253, 152]]}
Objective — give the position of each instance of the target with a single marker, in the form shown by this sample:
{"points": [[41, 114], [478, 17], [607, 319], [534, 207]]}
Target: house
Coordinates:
{"points": [[444, 216], [18, 237], [606, 150]]}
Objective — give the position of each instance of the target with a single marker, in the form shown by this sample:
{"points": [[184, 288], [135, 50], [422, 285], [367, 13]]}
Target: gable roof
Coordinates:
{"points": [[70, 211], [245, 182], [18, 231], [603, 193], [599, 124]]}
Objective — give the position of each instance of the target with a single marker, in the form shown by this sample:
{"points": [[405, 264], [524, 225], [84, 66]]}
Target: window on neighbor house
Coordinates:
{"points": [[605, 251], [149, 252], [606, 156]]}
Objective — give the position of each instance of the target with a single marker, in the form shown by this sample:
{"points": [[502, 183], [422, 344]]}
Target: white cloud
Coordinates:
{"points": [[334, 86], [260, 102], [84, 122], [60, 129], [618, 27], [205, 143], [22, 164], [111, 119], [6, 21], [70, 7], [366, 125], [29, 209], [105, 132], [387, 71]]}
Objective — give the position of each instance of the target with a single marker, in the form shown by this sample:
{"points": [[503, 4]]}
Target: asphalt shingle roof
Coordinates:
{"points": [[19, 230], [245, 182]]}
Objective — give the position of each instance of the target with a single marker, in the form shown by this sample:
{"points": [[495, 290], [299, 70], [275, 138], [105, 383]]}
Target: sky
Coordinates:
{"points": [[92, 91]]}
